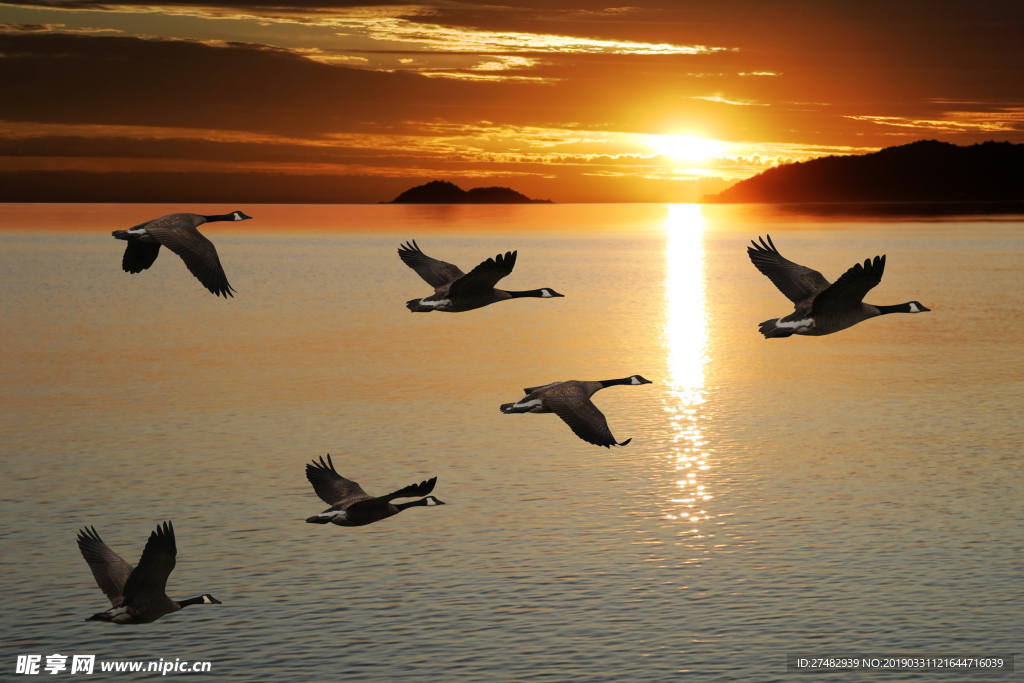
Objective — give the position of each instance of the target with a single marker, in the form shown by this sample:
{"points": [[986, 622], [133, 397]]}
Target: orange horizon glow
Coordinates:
{"points": [[641, 103]]}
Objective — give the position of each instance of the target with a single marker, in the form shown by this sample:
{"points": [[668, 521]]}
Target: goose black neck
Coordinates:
{"points": [[191, 601], [898, 308], [614, 382], [421, 501], [221, 217], [539, 293]]}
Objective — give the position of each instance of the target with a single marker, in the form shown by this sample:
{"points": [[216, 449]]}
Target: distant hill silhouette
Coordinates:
{"points": [[443, 192], [923, 171]]}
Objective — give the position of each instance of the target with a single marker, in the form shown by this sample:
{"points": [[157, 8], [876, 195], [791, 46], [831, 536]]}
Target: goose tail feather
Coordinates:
{"points": [[415, 306], [770, 331]]}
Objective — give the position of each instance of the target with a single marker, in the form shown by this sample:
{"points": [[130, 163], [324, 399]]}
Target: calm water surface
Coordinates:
{"points": [[858, 493]]}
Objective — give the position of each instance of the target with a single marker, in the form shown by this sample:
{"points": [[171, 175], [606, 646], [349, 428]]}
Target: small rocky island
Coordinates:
{"points": [[443, 192], [922, 171]]}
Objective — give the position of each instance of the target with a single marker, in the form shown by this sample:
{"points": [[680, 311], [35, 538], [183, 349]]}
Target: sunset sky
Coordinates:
{"points": [[656, 100]]}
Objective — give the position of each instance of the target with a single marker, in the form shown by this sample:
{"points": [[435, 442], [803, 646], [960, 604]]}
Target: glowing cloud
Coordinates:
{"points": [[942, 124], [716, 98]]}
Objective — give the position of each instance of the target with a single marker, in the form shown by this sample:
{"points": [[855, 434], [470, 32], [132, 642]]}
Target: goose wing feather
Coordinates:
{"points": [[797, 282], [412, 491], [436, 273], [138, 256], [482, 279], [851, 287], [583, 418], [149, 578], [334, 489], [530, 390], [177, 233], [110, 571]]}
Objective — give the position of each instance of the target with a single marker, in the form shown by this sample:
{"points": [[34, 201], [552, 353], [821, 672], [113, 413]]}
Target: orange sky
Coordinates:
{"points": [[571, 101]]}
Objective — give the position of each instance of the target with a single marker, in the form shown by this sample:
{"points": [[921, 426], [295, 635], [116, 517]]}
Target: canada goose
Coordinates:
{"points": [[571, 402], [454, 291], [177, 232], [351, 506], [821, 308], [137, 595]]}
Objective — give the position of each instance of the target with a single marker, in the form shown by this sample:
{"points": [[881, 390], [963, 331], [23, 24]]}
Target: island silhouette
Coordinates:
{"points": [[922, 171], [443, 192]]}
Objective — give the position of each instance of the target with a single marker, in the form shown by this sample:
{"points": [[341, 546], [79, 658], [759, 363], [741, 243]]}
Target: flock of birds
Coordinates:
{"points": [[138, 595]]}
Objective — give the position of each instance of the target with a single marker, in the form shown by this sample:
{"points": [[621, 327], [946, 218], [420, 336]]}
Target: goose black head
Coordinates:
{"points": [[205, 599], [548, 293], [433, 501], [916, 307], [239, 216], [637, 379]]}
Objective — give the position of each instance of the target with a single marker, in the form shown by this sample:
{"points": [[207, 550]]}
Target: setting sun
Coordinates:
{"points": [[686, 147]]}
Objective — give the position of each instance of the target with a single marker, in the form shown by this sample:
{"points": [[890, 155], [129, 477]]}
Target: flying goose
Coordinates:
{"points": [[137, 595], [571, 402], [455, 291], [821, 308], [177, 232], [351, 506]]}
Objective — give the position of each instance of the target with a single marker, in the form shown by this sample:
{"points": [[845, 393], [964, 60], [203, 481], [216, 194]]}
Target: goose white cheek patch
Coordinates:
{"points": [[635, 381], [914, 308], [545, 294]]}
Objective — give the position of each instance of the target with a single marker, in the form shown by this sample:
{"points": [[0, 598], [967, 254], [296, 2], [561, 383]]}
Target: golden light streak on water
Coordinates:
{"points": [[685, 338]]}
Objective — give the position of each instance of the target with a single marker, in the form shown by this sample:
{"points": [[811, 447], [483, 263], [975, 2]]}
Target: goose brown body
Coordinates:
{"points": [[351, 505], [179, 233], [570, 400], [821, 307], [455, 291], [137, 594]]}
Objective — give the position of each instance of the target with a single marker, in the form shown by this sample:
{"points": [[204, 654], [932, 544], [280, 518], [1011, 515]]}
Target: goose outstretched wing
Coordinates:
{"points": [[138, 256], [110, 571], [149, 578], [334, 489], [483, 278], [412, 491], [436, 273], [797, 282], [200, 256], [584, 419], [851, 287]]}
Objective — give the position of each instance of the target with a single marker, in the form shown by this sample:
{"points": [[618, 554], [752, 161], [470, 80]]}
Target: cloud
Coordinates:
{"points": [[384, 27], [62, 78], [716, 98], [975, 122], [52, 28]]}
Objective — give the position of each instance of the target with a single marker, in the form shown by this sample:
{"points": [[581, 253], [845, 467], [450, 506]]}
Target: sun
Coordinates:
{"points": [[686, 147]]}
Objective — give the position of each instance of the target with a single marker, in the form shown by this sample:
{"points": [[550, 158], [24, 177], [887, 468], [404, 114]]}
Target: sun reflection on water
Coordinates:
{"points": [[685, 339]]}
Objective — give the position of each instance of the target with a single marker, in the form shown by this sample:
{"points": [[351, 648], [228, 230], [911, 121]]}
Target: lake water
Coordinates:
{"points": [[857, 493]]}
